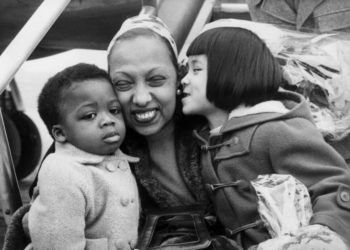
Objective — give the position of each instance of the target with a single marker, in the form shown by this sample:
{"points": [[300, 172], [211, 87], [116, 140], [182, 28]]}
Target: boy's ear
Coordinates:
{"points": [[58, 133]]}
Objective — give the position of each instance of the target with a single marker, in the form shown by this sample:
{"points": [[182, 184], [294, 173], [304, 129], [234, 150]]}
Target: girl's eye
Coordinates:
{"points": [[89, 116], [122, 85], [156, 81], [196, 70]]}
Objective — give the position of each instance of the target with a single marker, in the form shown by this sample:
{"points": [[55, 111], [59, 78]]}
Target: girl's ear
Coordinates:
{"points": [[58, 133]]}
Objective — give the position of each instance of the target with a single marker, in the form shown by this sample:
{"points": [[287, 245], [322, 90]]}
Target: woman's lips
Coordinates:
{"points": [[145, 116]]}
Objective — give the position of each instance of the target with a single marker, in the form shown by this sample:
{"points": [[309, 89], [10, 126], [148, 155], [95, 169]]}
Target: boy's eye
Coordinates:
{"points": [[122, 85], [115, 110], [89, 116]]}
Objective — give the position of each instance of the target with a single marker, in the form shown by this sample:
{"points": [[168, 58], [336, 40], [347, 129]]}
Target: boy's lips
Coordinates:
{"points": [[111, 137]]}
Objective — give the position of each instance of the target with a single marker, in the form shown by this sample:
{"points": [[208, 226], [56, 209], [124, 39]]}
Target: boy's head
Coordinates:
{"points": [[78, 105], [240, 67]]}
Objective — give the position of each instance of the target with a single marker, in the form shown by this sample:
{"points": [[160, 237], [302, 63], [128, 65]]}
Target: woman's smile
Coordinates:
{"points": [[145, 116]]}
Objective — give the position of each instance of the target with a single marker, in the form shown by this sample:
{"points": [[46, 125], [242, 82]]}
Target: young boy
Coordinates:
{"points": [[88, 198]]}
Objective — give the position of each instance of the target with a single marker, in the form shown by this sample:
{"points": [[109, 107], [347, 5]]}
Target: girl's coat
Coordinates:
{"points": [[267, 143]]}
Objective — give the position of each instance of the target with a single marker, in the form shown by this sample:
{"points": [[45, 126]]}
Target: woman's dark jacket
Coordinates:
{"points": [[152, 193]]}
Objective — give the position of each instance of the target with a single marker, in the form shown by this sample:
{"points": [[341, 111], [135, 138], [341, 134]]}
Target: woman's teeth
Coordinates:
{"points": [[146, 116]]}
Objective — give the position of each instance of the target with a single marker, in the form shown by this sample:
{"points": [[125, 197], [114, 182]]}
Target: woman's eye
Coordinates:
{"points": [[156, 81], [122, 85], [89, 116]]}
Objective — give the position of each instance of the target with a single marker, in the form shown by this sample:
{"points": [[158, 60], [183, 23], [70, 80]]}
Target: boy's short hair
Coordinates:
{"points": [[50, 98], [230, 52]]}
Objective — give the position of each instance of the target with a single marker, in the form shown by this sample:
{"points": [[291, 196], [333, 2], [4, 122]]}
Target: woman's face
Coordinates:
{"points": [[145, 80]]}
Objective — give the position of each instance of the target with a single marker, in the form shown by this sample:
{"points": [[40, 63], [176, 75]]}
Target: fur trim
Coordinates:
{"points": [[187, 157]]}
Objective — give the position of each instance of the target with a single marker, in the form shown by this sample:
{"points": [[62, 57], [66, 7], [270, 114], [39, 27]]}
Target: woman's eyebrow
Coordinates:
{"points": [[156, 68], [120, 73]]}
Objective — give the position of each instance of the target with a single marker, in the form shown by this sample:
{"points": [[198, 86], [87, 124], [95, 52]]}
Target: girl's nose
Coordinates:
{"points": [[185, 81], [142, 95]]}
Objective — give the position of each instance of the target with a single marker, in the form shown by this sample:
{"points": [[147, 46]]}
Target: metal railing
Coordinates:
{"points": [[11, 60]]}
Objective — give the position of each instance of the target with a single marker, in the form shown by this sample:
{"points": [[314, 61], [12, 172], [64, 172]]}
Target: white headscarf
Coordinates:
{"points": [[145, 21]]}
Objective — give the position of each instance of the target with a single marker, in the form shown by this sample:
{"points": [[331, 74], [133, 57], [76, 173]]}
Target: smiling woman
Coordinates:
{"points": [[145, 81]]}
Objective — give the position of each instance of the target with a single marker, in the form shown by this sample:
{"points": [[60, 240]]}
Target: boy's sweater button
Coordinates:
{"points": [[124, 201], [121, 244], [122, 165], [111, 167]]}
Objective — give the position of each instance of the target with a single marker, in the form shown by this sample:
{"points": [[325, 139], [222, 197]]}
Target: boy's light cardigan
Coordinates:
{"points": [[85, 201]]}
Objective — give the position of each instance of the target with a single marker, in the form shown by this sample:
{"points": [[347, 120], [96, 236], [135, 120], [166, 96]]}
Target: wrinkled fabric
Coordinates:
{"points": [[283, 203], [310, 237]]}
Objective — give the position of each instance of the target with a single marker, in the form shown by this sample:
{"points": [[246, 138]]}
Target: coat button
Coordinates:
{"points": [[123, 166], [111, 167], [344, 196], [124, 201], [121, 244]]}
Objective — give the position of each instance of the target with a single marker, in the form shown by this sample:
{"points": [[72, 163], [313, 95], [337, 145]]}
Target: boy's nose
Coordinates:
{"points": [[107, 120]]}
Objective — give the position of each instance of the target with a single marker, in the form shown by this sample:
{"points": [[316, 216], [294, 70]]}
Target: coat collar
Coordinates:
{"points": [[279, 9], [292, 101], [283, 11], [86, 158], [305, 9]]}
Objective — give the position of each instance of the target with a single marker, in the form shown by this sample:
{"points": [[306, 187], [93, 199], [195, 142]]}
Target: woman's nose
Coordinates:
{"points": [[142, 95]]}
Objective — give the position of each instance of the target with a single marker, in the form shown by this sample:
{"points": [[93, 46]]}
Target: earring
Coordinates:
{"points": [[178, 91]]}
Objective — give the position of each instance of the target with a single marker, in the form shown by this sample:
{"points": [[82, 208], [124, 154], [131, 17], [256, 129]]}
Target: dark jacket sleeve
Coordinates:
{"points": [[302, 152], [15, 237]]}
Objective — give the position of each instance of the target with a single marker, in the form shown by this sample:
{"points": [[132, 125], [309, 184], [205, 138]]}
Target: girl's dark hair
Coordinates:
{"points": [[241, 69], [51, 96]]}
